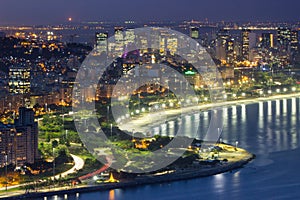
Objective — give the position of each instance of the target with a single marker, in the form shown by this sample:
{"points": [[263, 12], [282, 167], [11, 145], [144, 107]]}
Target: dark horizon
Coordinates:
{"points": [[34, 12]]}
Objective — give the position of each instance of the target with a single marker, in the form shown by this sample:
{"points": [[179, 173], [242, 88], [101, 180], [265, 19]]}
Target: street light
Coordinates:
{"points": [[236, 144], [66, 136], [139, 98], [132, 134], [107, 113], [219, 134], [110, 130], [278, 90], [53, 165], [6, 182]]}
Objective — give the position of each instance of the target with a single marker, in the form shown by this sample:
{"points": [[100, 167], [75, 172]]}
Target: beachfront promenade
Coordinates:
{"points": [[145, 121]]}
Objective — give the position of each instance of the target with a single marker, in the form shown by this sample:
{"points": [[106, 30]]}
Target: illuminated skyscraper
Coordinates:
{"points": [[19, 142], [294, 41], [19, 79], [129, 37], [230, 54], [101, 42], [172, 45], [117, 47], [283, 38], [245, 44], [267, 40], [221, 43]]}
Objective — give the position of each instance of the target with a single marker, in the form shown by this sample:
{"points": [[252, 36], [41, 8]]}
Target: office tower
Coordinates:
{"points": [[283, 38], [172, 45], [194, 32], [162, 45], [129, 37], [19, 142], [163, 42], [230, 54], [245, 44], [26, 124], [221, 42], [267, 40], [7, 141], [101, 43], [119, 41], [19, 79], [294, 41]]}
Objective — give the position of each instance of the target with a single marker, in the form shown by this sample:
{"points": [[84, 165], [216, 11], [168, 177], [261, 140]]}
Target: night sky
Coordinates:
{"points": [[57, 11]]}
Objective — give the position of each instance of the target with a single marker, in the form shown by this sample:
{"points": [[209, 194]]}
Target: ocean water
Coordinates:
{"points": [[268, 129]]}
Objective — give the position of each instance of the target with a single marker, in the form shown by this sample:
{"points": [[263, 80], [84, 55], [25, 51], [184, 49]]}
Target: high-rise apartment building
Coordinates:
{"points": [[19, 142], [221, 44], [101, 43], [245, 44], [267, 40], [283, 38], [19, 79], [230, 53], [294, 41], [119, 41]]}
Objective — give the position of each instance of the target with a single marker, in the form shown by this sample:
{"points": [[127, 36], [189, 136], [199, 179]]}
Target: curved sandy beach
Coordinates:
{"points": [[143, 122]]}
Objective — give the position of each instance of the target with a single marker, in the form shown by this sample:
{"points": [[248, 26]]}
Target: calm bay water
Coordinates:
{"points": [[268, 129]]}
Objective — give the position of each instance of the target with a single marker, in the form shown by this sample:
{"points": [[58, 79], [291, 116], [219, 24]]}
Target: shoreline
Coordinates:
{"points": [[145, 179], [177, 176], [146, 121]]}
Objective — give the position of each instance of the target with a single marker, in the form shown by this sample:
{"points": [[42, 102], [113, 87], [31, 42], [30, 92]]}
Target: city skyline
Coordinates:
{"points": [[119, 99], [32, 12]]}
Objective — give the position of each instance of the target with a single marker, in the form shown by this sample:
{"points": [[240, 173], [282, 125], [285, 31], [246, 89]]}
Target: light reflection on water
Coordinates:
{"points": [[268, 129], [266, 119]]}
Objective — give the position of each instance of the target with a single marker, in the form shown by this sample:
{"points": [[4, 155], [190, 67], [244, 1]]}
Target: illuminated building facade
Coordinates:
{"points": [[19, 142], [19, 79], [101, 42], [129, 37], [245, 44], [267, 40], [283, 38], [194, 32], [221, 42], [294, 41], [119, 41], [230, 53]]}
